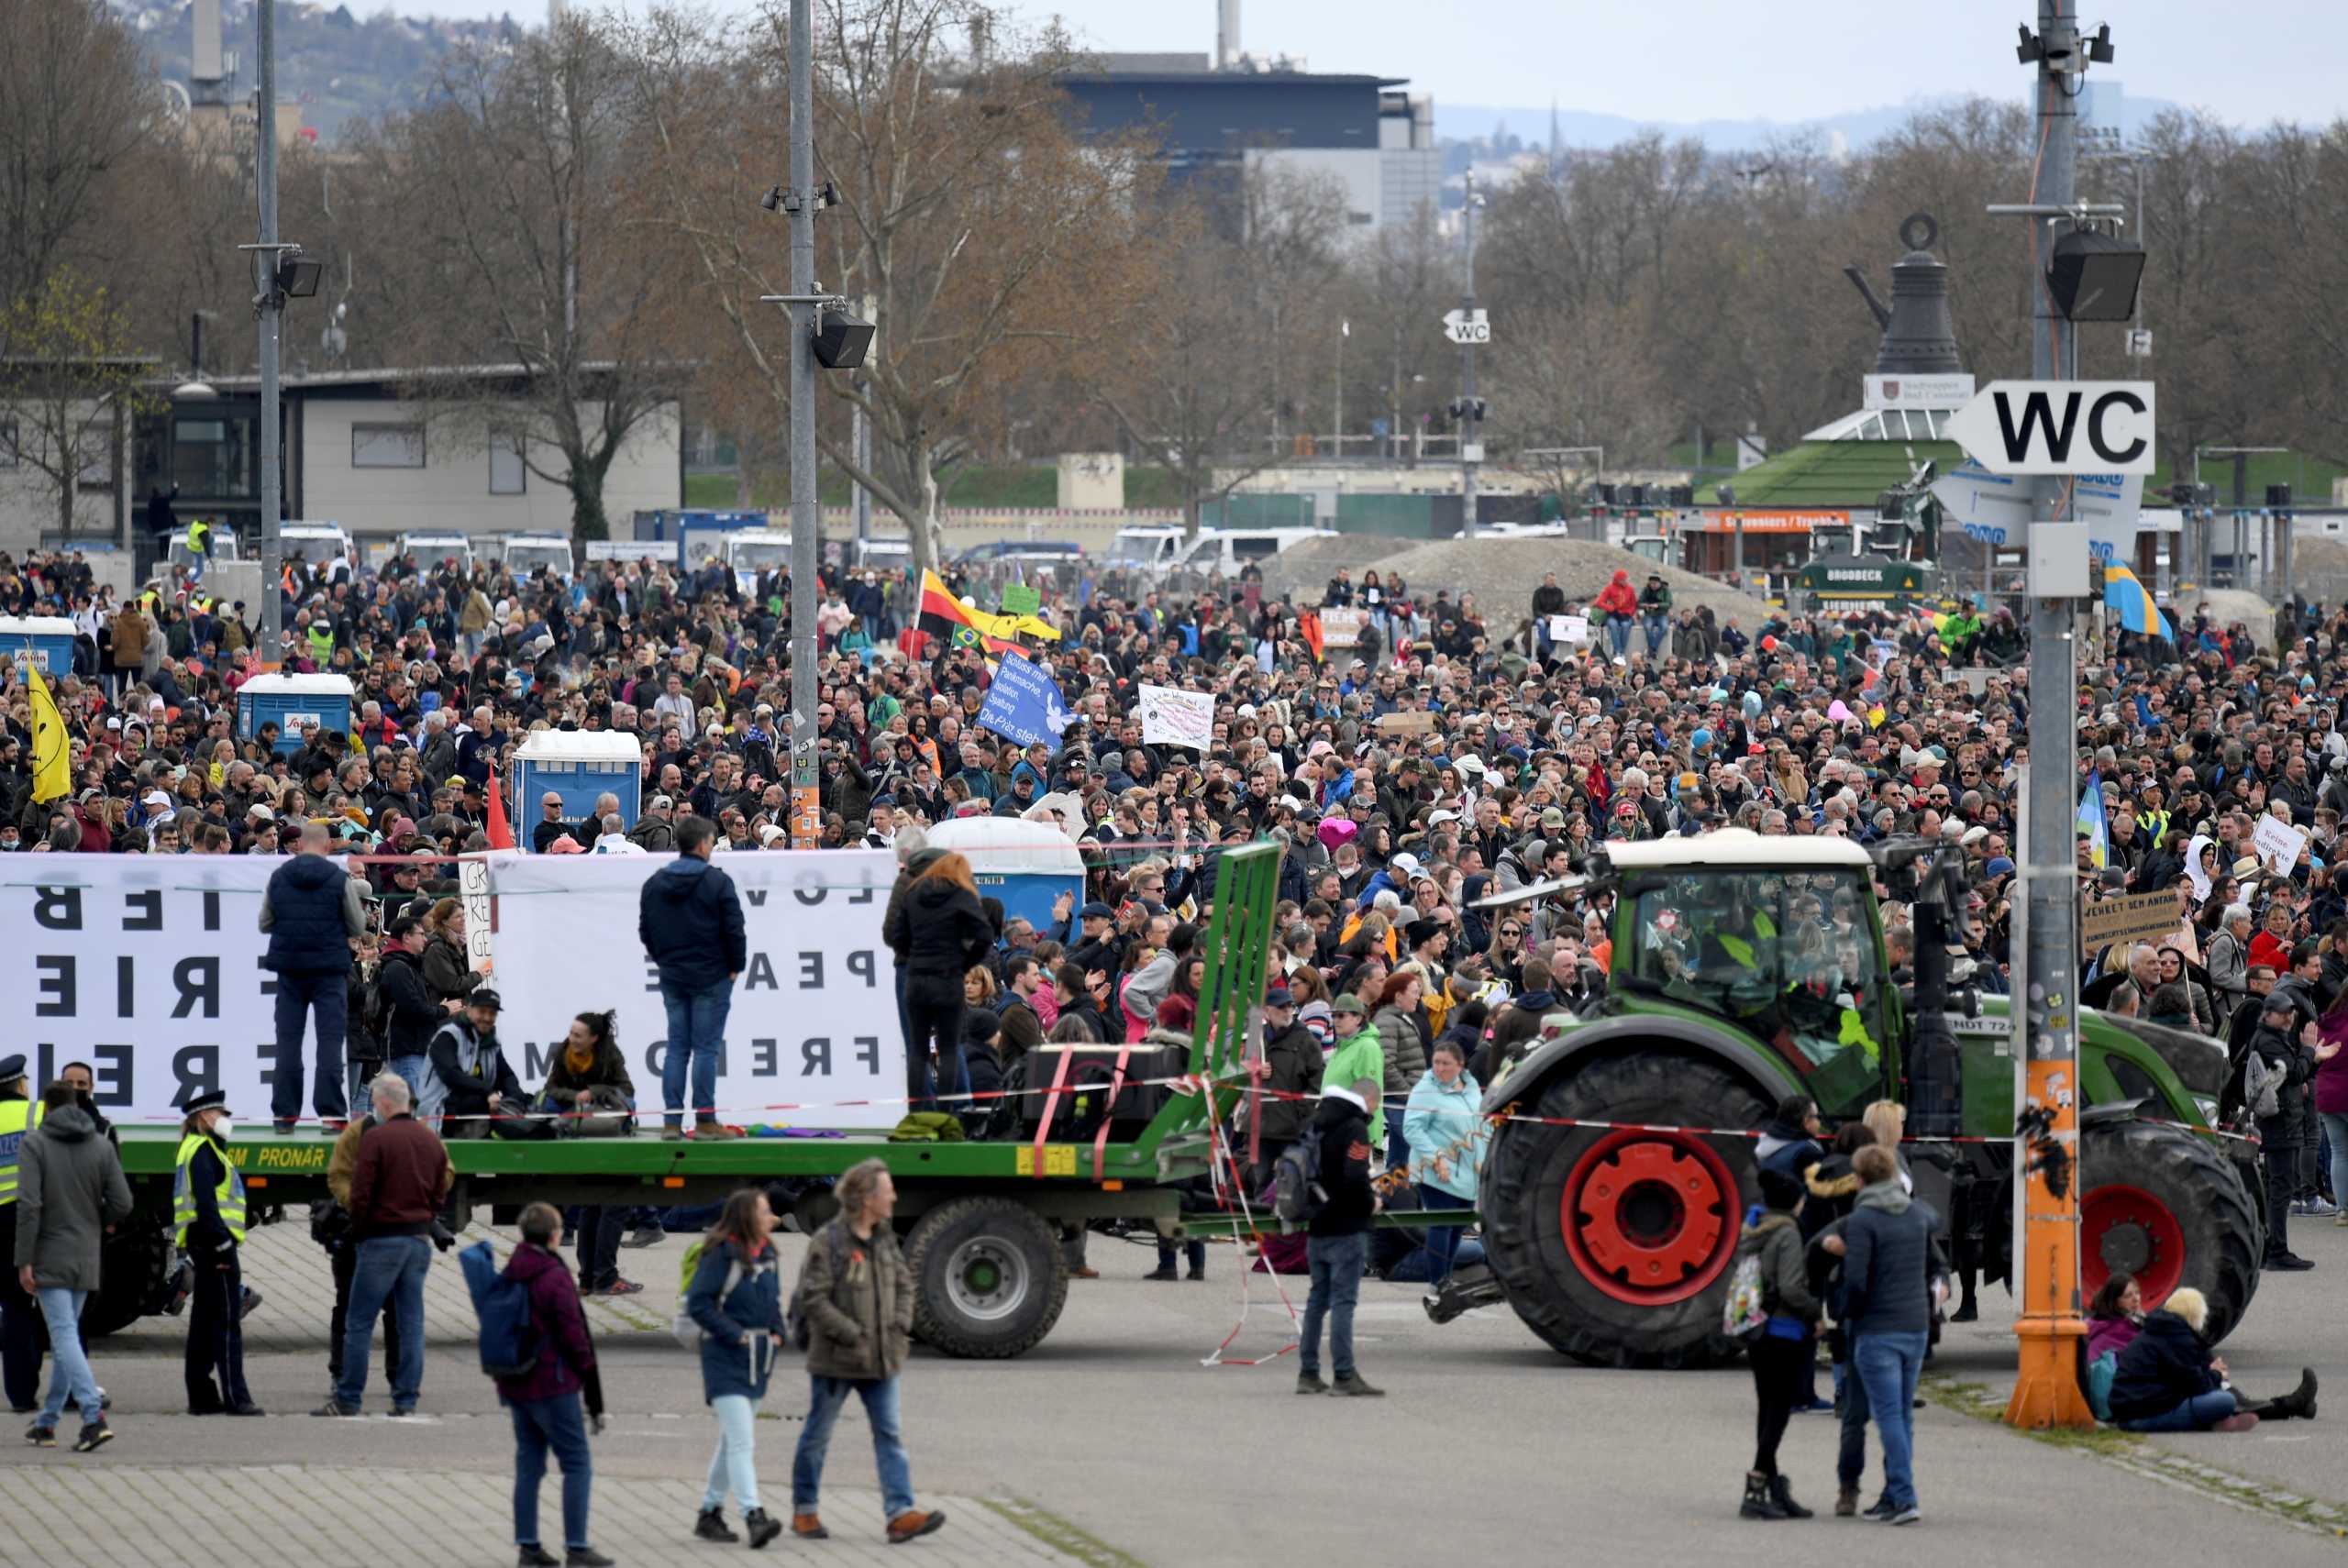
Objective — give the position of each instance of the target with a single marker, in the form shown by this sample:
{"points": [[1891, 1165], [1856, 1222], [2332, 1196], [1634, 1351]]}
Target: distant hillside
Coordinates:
{"points": [[337, 66]]}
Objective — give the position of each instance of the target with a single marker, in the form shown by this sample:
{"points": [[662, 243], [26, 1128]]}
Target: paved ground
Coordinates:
{"points": [[1113, 1444]]}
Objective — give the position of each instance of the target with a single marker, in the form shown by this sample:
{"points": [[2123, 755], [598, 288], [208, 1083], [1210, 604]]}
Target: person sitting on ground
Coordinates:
{"points": [[2115, 1317], [2169, 1381]]}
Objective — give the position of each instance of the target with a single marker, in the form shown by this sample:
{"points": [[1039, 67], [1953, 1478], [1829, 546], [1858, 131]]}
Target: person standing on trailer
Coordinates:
{"points": [[312, 914]]}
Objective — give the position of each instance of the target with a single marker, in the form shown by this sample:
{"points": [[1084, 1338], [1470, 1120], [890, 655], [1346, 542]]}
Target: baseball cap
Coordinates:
{"points": [[1350, 1003], [1280, 996], [483, 997], [1096, 910]]}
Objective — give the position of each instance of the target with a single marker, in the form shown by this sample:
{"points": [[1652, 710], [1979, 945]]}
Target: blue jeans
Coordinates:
{"points": [[1656, 629], [1851, 1462], [1442, 1240], [2335, 1146], [62, 1309], [696, 1037], [826, 1395], [734, 1464], [1336, 1263], [411, 1070], [1888, 1366], [299, 996], [1618, 632], [2198, 1414], [557, 1424], [389, 1268]]}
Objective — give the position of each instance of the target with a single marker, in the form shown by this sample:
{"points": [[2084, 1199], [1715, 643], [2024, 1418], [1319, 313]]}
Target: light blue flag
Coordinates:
{"points": [[1024, 704], [2093, 824]]}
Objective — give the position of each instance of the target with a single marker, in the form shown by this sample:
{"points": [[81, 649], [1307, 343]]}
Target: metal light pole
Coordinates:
{"points": [[2046, 1025], [1470, 427], [271, 304], [806, 813], [1337, 443]]}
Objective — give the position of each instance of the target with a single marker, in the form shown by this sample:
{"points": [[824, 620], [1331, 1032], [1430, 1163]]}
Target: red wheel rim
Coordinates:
{"points": [[2125, 1229], [1650, 1218]]}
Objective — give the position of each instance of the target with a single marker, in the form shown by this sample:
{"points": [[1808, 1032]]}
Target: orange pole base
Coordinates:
{"points": [[2047, 1395]]}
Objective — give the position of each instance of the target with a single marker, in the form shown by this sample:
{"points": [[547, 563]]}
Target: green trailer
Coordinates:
{"points": [[980, 1220]]}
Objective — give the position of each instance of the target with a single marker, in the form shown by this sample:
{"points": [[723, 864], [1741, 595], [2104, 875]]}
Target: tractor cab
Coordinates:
{"points": [[1778, 937]]}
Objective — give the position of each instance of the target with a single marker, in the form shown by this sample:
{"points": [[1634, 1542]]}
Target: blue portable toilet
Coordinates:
{"points": [[46, 640], [1026, 865], [578, 765], [294, 700]]}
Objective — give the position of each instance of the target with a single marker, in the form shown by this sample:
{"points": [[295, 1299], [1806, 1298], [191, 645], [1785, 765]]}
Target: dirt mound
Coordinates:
{"points": [[1306, 569], [2319, 569], [1502, 574]]}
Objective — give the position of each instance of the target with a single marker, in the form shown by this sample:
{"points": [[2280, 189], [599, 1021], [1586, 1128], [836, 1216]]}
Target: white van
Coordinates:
{"points": [[431, 548], [325, 547], [526, 553], [1145, 549], [1227, 551]]}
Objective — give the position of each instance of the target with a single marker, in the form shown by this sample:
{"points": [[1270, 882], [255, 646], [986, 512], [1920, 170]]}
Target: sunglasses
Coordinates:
{"points": [[1511, 931]]}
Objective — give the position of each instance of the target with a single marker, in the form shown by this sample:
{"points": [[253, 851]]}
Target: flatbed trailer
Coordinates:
{"points": [[981, 1221]]}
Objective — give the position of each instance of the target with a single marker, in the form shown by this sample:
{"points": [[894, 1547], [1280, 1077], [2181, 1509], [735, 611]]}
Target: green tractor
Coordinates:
{"points": [[1746, 968]]}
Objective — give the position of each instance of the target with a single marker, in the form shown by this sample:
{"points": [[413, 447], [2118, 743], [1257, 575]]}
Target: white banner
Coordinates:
{"points": [[2279, 844], [1172, 717], [815, 1015], [148, 968]]}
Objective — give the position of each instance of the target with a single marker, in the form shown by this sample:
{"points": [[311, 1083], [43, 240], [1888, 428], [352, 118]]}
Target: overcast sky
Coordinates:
{"points": [[1694, 59]]}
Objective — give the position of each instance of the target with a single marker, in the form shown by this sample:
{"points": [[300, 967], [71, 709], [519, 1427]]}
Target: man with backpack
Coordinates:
{"points": [[1336, 1150], [544, 1396]]}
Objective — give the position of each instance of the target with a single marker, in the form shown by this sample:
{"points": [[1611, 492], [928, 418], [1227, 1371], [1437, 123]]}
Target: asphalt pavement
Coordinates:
{"points": [[1115, 1443]]}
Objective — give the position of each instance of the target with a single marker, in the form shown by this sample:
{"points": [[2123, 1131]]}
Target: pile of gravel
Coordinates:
{"points": [[1305, 569], [1502, 574]]}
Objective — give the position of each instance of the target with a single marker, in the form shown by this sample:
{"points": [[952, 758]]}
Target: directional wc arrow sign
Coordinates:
{"points": [[2058, 427]]}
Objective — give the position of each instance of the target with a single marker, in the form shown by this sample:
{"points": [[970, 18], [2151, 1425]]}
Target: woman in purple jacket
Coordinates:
{"points": [[546, 1399]]}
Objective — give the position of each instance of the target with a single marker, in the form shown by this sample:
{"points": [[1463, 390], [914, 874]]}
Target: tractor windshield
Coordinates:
{"points": [[1791, 955]]}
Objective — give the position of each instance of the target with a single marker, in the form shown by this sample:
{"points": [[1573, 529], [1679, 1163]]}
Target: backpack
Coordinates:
{"points": [[682, 1326], [1745, 1316], [2259, 1084], [2101, 1371], [1297, 1192], [801, 1326], [509, 1340]]}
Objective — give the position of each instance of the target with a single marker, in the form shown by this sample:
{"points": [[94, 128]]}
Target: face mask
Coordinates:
{"points": [[222, 1127]]}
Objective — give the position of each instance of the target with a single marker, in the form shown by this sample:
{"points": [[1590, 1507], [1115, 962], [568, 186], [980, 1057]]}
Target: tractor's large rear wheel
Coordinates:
{"points": [[1613, 1243], [2159, 1203]]}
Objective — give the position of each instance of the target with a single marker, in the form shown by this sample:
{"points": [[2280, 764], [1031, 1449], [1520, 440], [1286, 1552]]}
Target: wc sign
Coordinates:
{"points": [[2058, 427]]}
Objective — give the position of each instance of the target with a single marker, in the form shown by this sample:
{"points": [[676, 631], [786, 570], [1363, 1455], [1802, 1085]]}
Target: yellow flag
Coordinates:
{"points": [[53, 774]]}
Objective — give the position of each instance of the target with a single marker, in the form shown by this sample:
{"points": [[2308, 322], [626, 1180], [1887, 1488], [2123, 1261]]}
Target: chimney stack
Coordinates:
{"points": [[1227, 35]]}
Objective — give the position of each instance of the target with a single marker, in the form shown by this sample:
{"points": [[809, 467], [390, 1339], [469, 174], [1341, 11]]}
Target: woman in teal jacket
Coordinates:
{"points": [[1444, 1125], [736, 1299]]}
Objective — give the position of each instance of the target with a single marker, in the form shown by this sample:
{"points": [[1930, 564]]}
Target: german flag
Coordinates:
{"points": [[958, 625]]}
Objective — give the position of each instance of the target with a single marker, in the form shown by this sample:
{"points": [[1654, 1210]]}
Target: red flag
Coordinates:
{"points": [[1309, 625], [501, 832]]}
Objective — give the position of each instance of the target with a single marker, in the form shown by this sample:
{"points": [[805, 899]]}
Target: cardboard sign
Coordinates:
{"points": [[2139, 917], [2279, 844], [1340, 628], [1408, 724]]}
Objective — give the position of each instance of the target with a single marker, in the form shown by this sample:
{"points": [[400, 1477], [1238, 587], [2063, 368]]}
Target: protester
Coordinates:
{"points": [[70, 1191], [402, 1178], [690, 920], [313, 913], [546, 1402], [1888, 1286], [1444, 1127], [942, 932], [857, 1295], [1785, 1353], [1337, 1244], [2168, 1380], [735, 1297], [469, 1088], [588, 1083], [20, 1312]]}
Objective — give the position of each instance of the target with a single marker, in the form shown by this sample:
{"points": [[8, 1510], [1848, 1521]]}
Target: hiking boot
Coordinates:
{"points": [[1164, 1273], [1782, 1493], [94, 1435], [644, 1236], [1354, 1385], [1758, 1504], [2289, 1262], [762, 1529], [1968, 1311], [1310, 1383], [584, 1557], [713, 1131], [1196, 1274], [337, 1408], [672, 1134], [2239, 1422], [534, 1556], [1847, 1503], [912, 1524], [40, 1436], [281, 1128], [808, 1527], [711, 1526]]}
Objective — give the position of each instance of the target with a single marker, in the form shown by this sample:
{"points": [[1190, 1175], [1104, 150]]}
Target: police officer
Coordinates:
{"points": [[20, 1324], [208, 1221]]}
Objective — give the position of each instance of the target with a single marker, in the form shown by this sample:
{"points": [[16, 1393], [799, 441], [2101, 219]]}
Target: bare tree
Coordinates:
{"points": [[74, 378], [990, 237], [502, 260]]}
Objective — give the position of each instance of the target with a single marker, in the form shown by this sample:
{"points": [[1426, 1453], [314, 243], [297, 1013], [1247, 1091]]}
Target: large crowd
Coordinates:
{"points": [[1444, 755]]}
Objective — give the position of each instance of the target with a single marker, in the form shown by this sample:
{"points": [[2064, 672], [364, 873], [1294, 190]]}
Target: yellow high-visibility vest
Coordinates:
{"points": [[230, 1195], [17, 1117]]}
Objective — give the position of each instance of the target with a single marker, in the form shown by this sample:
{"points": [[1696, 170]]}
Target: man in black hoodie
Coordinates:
{"points": [[690, 920], [1337, 1243]]}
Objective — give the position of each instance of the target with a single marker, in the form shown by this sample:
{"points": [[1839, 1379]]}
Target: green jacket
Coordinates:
{"points": [[1363, 1056], [860, 1308], [1783, 1277]]}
